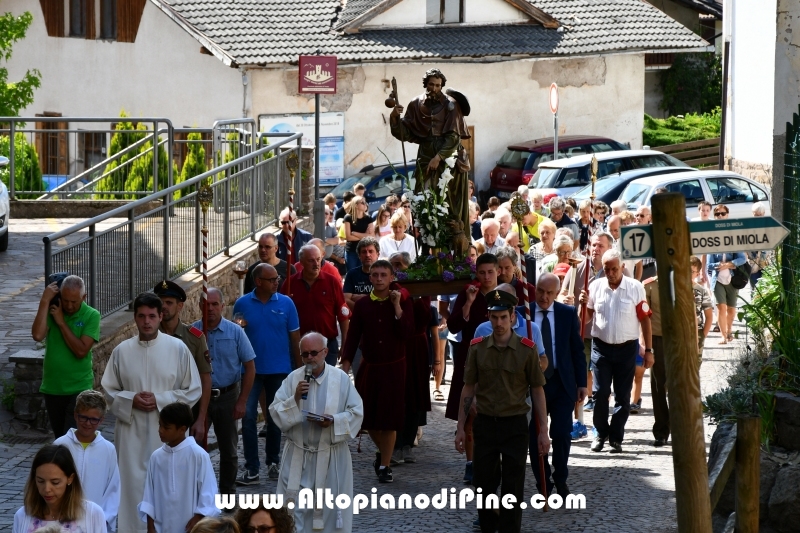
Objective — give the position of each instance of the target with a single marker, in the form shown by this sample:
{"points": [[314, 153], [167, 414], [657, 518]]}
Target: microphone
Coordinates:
{"points": [[304, 396]]}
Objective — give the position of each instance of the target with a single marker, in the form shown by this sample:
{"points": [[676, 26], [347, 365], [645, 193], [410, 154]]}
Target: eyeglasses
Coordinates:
{"points": [[88, 419], [563, 252], [720, 213], [285, 222], [640, 215], [259, 529], [276, 279], [406, 205], [312, 353]]}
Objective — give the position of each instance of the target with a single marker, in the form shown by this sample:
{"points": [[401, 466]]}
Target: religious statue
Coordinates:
{"points": [[435, 121]]}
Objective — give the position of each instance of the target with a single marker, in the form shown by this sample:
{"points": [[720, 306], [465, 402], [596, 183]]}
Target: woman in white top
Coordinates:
{"points": [[547, 233], [399, 240], [382, 221], [53, 496]]}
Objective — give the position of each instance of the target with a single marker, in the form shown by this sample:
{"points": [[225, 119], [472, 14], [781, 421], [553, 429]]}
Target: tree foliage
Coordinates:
{"points": [[27, 173], [119, 169], [693, 84], [195, 163], [18, 95]]}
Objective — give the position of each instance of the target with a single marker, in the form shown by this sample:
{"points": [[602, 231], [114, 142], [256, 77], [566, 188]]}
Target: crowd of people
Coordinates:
{"points": [[315, 311]]}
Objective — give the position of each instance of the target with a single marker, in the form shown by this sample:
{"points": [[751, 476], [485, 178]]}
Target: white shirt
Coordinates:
{"points": [[615, 318], [92, 521], [97, 469], [537, 318], [499, 242], [390, 246]]}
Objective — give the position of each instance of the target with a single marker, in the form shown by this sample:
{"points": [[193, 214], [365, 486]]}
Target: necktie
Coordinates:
{"points": [[547, 338]]}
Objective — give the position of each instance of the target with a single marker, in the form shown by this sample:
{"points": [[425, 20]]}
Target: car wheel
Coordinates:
{"points": [[4, 241]]}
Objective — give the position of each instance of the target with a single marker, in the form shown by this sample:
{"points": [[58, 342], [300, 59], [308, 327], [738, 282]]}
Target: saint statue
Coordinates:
{"points": [[435, 121]]}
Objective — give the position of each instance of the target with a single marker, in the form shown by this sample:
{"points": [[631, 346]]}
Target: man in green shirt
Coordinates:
{"points": [[71, 328]]}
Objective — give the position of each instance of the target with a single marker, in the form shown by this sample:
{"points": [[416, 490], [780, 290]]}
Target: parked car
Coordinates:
{"points": [[520, 161], [565, 176], [610, 187], [381, 182], [715, 186], [5, 209]]}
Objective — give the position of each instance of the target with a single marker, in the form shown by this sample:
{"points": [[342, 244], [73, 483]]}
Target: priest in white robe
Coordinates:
{"points": [[316, 455], [144, 374]]}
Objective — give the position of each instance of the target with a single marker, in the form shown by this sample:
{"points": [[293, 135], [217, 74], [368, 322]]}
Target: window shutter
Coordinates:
{"points": [[53, 11], [129, 14], [39, 145], [91, 29], [63, 148]]}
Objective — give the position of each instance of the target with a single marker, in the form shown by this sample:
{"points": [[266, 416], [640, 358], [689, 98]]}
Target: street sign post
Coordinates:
{"points": [[554, 110], [710, 237], [317, 75]]}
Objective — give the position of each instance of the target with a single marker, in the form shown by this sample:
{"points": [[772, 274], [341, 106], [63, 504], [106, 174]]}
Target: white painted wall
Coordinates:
{"points": [[406, 13], [507, 106], [492, 11], [752, 80], [162, 74]]}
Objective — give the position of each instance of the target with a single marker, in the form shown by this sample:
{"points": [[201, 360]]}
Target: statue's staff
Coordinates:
{"points": [[520, 208], [391, 103]]}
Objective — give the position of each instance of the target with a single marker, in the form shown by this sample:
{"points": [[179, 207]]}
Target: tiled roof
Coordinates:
{"points": [[264, 32]]}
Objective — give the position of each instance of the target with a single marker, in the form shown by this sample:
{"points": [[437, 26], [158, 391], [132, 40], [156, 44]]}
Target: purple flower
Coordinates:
{"points": [[472, 267], [449, 257], [459, 268], [401, 276], [448, 276], [468, 259], [441, 255]]}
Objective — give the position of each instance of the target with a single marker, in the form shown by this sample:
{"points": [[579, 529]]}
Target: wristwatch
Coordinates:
{"points": [[648, 350]]}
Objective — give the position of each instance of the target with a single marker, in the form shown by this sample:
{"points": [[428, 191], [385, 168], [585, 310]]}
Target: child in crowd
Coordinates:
{"points": [[95, 458], [180, 486], [702, 303], [493, 203]]}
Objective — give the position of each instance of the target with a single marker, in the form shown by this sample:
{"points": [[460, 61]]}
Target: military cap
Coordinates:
{"points": [[497, 300], [169, 289]]}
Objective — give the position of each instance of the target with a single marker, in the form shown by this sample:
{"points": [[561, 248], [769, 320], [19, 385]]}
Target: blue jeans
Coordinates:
{"points": [[613, 363], [270, 383], [352, 260]]}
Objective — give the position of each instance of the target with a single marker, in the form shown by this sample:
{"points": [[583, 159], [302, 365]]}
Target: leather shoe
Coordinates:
{"points": [[616, 447], [562, 489], [659, 442]]}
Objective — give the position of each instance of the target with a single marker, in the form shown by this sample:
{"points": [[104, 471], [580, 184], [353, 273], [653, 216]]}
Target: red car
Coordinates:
{"points": [[519, 162]]}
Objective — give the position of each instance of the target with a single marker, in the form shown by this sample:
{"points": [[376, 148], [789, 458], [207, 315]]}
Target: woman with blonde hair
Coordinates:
{"points": [[221, 524], [382, 221], [547, 233], [357, 225], [53, 496], [398, 240]]}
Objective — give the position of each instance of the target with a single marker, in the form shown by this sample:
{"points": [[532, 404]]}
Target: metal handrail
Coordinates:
{"points": [[252, 194]]}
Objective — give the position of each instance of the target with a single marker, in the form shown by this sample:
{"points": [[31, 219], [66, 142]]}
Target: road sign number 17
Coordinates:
{"points": [[637, 243]]}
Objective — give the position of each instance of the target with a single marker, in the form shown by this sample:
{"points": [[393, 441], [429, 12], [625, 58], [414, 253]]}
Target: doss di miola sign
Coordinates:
{"points": [[317, 74]]}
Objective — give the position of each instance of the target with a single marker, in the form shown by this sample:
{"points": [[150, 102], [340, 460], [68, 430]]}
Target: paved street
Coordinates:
{"points": [[636, 487]]}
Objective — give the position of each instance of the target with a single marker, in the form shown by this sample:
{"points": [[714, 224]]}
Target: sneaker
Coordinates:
{"points": [[597, 444], [578, 431], [397, 457], [589, 406], [273, 471], [376, 464], [616, 447], [385, 475], [595, 434], [468, 474], [636, 407], [408, 455], [246, 479]]}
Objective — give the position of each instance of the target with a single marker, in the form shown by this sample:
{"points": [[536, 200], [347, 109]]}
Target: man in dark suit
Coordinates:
{"points": [[566, 378]]}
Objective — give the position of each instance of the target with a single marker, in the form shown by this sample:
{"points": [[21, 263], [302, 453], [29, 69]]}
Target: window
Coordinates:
{"points": [[515, 159], [573, 177], [108, 19], [635, 193], [544, 178], [52, 146], [611, 166], [691, 190], [729, 190], [91, 148], [445, 11], [758, 194], [77, 18]]}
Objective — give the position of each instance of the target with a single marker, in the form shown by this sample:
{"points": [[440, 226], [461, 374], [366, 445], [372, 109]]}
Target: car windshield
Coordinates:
{"points": [[348, 183], [601, 187], [515, 159], [635, 193], [545, 178]]}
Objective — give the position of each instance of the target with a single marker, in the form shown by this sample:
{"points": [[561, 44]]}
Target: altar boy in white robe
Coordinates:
{"points": [[144, 374], [316, 455], [180, 486]]}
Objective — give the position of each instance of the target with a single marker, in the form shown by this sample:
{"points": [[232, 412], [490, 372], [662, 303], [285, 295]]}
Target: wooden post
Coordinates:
{"points": [[672, 247], [748, 475]]}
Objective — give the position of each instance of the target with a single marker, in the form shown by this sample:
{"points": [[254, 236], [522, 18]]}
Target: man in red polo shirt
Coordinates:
{"points": [[319, 300], [327, 267]]}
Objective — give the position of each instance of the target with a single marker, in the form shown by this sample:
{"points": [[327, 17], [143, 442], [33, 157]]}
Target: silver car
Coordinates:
{"points": [[5, 209]]}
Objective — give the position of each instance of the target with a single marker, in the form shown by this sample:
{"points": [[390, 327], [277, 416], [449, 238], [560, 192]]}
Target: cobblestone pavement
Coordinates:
{"points": [[630, 492]]}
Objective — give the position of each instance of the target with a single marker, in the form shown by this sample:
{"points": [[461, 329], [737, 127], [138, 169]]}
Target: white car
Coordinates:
{"points": [[567, 176], [5, 209], [736, 192]]}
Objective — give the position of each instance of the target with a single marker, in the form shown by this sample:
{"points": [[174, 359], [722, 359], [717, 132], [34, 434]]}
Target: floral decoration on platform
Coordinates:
{"points": [[440, 266], [431, 210]]}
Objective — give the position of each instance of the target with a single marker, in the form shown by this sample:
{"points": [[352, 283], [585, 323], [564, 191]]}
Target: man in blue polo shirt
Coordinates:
{"points": [[271, 323]]}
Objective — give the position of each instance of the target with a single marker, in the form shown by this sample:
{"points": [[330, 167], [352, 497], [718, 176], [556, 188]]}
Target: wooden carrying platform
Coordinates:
{"points": [[434, 288]]}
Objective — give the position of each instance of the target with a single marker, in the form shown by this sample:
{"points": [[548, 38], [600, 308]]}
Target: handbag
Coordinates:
{"points": [[740, 276]]}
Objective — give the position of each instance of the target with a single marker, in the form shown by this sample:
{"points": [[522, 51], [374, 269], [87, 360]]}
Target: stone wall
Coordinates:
{"points": [[71, 208], [759, 172], [28, 401]]}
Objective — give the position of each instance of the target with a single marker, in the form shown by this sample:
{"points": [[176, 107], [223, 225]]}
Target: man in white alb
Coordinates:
{"points": [[144, 374]]}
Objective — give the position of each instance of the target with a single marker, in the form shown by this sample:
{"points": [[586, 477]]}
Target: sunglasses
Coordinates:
{"points": [[720, 213], [312, 353], [259, 529], [285, 222]]}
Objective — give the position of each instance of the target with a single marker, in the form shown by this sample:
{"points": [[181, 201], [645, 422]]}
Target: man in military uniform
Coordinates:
{"points": [[499, 370], [172, 300]]}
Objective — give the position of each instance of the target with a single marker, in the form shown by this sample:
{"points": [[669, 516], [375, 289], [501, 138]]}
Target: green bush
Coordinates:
{"points": [[27, 173], [141, 172], [117, 170], [675, 130], [195, 163], [693, 84]]}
